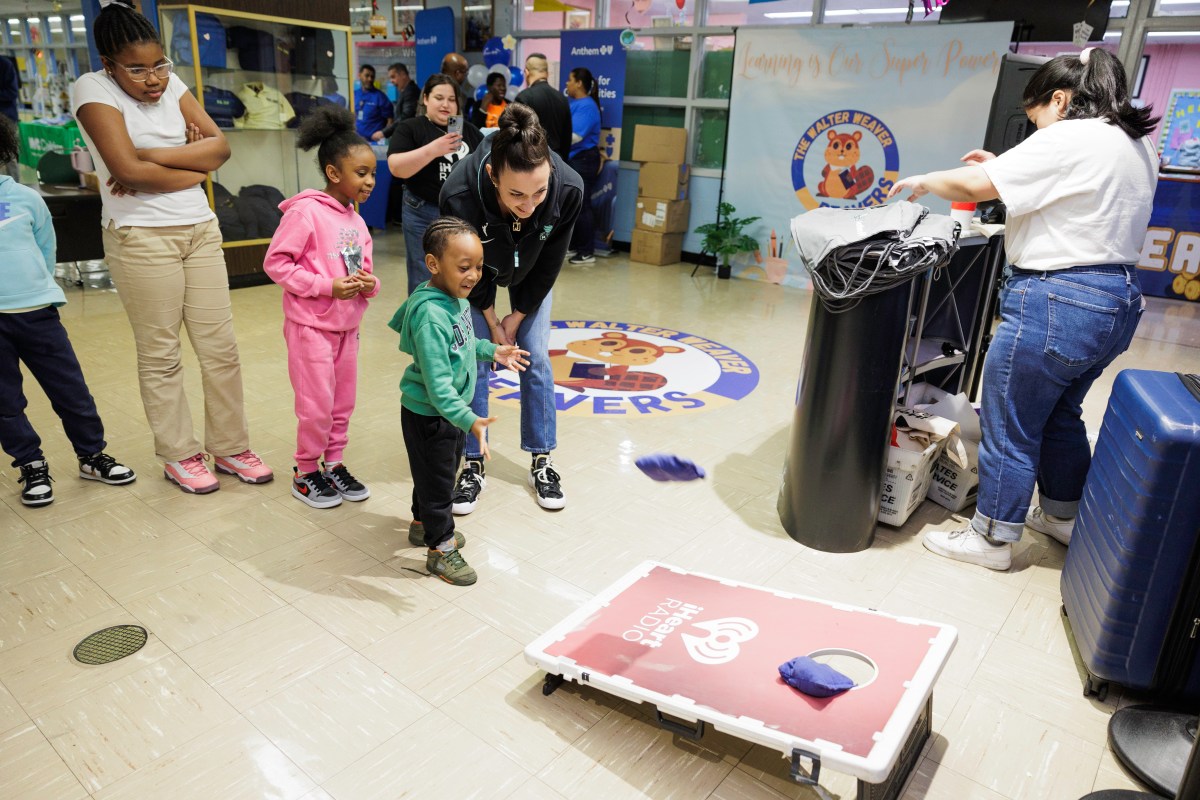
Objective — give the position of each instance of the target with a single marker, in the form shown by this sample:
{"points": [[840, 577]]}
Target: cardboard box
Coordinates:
{"points": [[656, 248], [90, 181], [664, 181], [662, 216], [955, 487], [658, 143], [906, 482]]}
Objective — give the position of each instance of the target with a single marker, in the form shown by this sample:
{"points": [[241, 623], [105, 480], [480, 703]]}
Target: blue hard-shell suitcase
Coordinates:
{"points": [[1131, 583]]}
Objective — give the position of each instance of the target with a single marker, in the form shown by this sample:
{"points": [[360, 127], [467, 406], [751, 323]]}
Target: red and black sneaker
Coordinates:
{"points": [[313, 489]]}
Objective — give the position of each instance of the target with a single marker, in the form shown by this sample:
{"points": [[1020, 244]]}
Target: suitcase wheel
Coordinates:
{"points": [[1095, 687]]}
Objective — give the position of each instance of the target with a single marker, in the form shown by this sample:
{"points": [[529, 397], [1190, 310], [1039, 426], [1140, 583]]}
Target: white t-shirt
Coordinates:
{"points": [[158, 124], [1078, 192]]}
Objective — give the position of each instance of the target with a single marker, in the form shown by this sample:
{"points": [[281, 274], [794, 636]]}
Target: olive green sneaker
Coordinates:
{"points": [[416, 535], [450, 567]]}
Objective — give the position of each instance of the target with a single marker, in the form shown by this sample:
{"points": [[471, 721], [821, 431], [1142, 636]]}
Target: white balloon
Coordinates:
{"points": [[503, 70], [477, 75], [511, 94]]}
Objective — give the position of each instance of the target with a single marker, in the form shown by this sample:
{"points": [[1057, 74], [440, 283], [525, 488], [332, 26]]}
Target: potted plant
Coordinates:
{"points": [[724, 238]]}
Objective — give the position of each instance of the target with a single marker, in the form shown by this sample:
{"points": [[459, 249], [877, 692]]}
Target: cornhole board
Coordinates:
{"points": [[705, 650]]}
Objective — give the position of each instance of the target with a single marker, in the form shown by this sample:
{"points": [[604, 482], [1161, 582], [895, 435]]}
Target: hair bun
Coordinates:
{"points": [[322, 123], [519, 117]]}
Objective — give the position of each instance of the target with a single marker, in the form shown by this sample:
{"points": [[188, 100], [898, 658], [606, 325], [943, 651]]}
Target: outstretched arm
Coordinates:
{"points": [[969, 184]]}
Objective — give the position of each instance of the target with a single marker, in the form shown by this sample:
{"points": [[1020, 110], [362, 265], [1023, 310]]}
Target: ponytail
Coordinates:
{"points": [[520, 144], [330, 129], [1098, 87]]}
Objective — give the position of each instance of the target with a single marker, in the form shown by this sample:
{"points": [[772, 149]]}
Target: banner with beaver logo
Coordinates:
{"points": [[825, 117]]}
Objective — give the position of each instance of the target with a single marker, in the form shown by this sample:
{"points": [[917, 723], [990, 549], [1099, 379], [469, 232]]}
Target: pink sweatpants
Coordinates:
{"points": [[323, 366]]}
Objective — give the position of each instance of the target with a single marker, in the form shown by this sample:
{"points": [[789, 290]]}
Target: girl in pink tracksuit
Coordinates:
{"points": [[321, 256]]}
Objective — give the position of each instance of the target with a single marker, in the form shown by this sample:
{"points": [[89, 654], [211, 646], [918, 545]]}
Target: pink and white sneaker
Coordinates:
{"points": [[191, 475], [247, 466]]}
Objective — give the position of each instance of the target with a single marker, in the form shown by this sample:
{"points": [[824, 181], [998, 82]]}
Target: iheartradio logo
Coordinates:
{"points": [[723, 642]]}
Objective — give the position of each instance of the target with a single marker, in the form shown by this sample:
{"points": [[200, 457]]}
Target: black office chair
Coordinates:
{"points": [[57, 169], [76, 214]]}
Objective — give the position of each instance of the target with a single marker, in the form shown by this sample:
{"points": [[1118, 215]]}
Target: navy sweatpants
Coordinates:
{"points": [[39, 339]]}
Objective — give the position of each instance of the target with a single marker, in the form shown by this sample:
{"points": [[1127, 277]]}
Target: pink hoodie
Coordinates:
{"points": [[306, 254]]}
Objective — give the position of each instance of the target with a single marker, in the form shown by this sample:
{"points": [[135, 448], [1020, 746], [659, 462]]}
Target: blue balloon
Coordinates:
{"points": [[517, 76], [495, 53], [480, 92]]}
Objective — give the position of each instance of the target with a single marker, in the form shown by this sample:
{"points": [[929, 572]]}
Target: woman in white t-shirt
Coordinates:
{"points": [[1079, 193], [153, 145]]}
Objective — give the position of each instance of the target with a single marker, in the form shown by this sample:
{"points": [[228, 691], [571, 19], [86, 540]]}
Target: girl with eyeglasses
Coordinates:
{"points": [[154, 145]]}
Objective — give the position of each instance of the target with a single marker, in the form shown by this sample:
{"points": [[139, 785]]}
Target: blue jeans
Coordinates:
{"points": [[1057, 333], [539, 420], [417, 216]]}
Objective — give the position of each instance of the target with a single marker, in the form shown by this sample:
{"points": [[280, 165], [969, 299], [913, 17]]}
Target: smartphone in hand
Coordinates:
{"points": [[455, 125]]}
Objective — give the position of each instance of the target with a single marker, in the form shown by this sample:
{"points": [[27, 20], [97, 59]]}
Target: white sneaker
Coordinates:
{"points": [[970, 546], [1040, 522]]}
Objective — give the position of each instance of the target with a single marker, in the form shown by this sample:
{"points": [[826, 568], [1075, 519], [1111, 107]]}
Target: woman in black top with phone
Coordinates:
{"points": [[422, 152], [523, 199]]}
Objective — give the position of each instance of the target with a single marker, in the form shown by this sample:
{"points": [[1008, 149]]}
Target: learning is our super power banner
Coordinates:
{"points": [[834, 117]]}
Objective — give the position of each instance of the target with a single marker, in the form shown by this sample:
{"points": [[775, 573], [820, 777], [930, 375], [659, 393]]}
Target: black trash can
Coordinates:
{"points": [[833, 476]]}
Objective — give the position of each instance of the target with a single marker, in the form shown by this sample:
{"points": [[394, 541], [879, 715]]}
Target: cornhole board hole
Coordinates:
{"points": [[706, 651]]}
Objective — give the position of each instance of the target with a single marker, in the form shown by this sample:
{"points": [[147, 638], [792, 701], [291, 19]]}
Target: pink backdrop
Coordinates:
{"points": [[1172, 66]]}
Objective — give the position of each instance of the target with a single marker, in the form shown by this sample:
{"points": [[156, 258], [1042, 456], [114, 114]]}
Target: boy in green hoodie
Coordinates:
{"points": [[435, 329]]}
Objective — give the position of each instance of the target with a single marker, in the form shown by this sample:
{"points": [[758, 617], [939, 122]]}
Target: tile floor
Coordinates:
{"points": [[297, 653]]}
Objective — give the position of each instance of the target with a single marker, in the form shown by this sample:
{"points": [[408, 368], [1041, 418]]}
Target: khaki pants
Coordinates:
{"points": [[164, 277]]}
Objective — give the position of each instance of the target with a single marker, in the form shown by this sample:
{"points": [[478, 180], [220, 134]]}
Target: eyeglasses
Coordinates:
{"points": [[142, 74]]}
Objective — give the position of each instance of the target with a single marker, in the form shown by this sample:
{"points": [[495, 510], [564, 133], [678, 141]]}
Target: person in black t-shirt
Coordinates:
{"points": [[422, 153], [551, 105]]}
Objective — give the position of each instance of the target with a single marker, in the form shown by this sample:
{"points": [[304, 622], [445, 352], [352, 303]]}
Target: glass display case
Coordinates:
{"points": [[257, 76]]}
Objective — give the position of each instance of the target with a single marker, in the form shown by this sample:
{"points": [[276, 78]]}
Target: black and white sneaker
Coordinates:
{"points": [[349, 487], [313, 490], [470, 483], [545, 483], [582, 258], [36, 477], [104, 468]]}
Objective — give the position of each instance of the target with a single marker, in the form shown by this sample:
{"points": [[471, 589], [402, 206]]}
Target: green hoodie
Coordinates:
{"points": [[435, 329]]}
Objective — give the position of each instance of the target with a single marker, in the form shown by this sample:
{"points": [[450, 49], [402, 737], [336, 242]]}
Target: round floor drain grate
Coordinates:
{"points": [[111, 644]]}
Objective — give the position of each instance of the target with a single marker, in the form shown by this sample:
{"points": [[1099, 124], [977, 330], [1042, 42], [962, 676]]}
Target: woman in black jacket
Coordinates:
{"points": [[523, 199]]}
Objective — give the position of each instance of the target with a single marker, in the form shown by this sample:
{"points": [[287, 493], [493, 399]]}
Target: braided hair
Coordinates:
{"points": [[330, 129], [118, 26], [441, 231]]}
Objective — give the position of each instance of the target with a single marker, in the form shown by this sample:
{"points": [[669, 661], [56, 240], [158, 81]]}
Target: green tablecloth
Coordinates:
{"points": [[37, 139]]}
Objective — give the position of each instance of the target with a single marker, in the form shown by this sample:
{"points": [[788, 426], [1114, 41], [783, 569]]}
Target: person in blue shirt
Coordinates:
{"points": [[31, 332], [585, 157], [372, 108]]}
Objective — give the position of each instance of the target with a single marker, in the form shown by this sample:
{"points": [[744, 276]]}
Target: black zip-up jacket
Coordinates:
{"points": [[530, 266]]}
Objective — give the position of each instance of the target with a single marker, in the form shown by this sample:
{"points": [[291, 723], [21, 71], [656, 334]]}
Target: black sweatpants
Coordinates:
{"points": [[39, 339], [434, 449]]}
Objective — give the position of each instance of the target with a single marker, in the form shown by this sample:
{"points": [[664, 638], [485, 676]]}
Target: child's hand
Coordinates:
{"points": [[345, 288], [118, 189], [512, 357], [479, 430], [366, 280], [193, 133]]}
